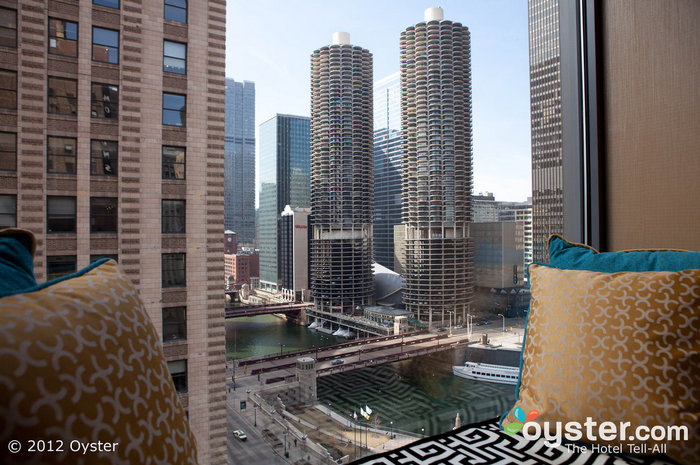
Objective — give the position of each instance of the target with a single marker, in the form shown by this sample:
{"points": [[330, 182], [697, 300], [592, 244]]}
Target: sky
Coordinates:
{"points": [[270, 42]]}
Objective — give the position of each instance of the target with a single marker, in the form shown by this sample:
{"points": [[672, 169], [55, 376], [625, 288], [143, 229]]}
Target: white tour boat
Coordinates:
{"points": [[487, 372]]}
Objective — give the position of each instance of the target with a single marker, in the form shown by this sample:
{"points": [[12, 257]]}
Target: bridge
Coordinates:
{"points": [[265, 309], [355, 354]]}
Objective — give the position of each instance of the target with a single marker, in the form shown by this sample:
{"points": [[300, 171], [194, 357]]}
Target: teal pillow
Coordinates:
{"points": [[568, 255], [17, 248]]}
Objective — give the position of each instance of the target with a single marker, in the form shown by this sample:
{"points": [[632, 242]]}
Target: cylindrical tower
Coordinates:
{"points": [[437, 168], [341, 176]]}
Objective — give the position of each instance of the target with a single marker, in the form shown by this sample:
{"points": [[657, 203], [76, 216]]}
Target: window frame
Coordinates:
{"points": [[172, 166], [96, 213], [9, 28], [179, 112], [100, 256], [13, 152], [179, 377], [167, 69], [50, 99], [103, 3], [7, 213], [170, 282], [108, 47], [168, 6], [100, 104], [169, 221], [9, 90], [113, 161], [52, 217], [174, 317], [57, 38], [50, 154], [51, 276]]}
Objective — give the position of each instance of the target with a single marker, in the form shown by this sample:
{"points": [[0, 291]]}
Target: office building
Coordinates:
{"points": [[284, 180], [545, 115], [294, 250], [341, 176], [107, 150], [387, 167], [240, 160], [436, 132]]}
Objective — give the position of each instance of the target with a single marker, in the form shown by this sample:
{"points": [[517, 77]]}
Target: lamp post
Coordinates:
{"points": [[255, 413], [391, 435], [284, 434], [450, 322], [281, 345], [504, 322], [422, 432]]}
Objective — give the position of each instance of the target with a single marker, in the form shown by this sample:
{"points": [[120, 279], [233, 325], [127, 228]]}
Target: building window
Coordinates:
{"points": [[103, 215], [60, 265], [94, 258], [174, 323], [174, 110], [63, 37], [178, 371], [8, 27], [8, 89], [105, 101], [105, 45], [103, 157], [8, 211], [176, 10], [173, 269], [61, 154], [173, 162], [63, 96], [8, 151], [108, 3], [60, 214], [174, 57], [173, 216]]}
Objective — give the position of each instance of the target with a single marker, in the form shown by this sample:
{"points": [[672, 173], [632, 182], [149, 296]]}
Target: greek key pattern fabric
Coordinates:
{"points": [[617, 347], [82, 366], [485, 443]]}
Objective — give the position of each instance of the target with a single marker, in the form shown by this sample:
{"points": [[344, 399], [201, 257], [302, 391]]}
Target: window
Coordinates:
{"points": [[103, 157], [173, 216], [174, 323], [63, 37], [60, 214], [94, 258], [109, 3], [103, 215], [105, 101], [60, 265], [174, 57], [8, 27], [173, 162], [8, 151], [61, 154], [8, 211], [8, 89], [105, 45], [63, 98], [178, 371], [176, 10], [173, 269], [174, 110]]}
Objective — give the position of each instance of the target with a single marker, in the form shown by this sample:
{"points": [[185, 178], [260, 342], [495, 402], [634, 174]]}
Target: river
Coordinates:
{"points": [[419, 395]]}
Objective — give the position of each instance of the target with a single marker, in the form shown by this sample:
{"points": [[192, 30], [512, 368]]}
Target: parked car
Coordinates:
{"points": [[337, 361], [240, 434]]}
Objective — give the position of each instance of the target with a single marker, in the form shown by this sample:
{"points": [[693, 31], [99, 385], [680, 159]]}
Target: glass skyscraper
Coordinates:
{"points": [[545, 114], [239, 162], [387, 167], [284, 180]]}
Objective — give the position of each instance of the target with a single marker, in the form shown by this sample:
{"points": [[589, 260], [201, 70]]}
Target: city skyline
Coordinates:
{"points": [[270, 56]]}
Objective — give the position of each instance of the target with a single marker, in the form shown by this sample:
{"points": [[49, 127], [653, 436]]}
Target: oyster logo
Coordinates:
{"points": [[521, 420]]}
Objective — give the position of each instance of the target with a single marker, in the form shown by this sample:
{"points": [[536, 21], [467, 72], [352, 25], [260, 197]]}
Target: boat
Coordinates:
{"points": [[487, 372]]}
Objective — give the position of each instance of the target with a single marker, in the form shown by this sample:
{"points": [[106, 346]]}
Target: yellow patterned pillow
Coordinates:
{"points": [[612, 347], [83, 378]]}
